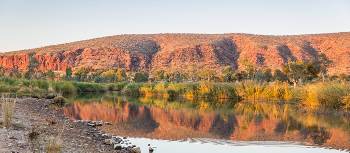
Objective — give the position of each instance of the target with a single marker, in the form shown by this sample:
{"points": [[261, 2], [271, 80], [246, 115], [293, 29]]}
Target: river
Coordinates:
{"points": [[222, 126]]}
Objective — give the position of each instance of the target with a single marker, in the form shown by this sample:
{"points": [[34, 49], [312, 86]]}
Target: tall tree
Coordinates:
{"points": [[51, 75], [32, 65], [324, 63], [295, 72], [68, 73], [120, 75]]}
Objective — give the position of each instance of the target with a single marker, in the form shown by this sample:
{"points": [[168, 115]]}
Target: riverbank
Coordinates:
{"points": [[39, 125], [333, 95]]}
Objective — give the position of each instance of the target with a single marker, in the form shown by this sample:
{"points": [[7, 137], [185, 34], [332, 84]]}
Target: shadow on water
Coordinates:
{"points": [[178, 120]]}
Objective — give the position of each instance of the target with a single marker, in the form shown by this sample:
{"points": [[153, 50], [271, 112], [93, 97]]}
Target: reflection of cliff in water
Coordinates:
{"points": [[139, 118], [247, 122]]}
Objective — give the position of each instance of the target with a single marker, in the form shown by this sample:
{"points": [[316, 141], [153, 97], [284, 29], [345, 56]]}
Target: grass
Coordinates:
{"points": [[64, 87], [189, 91], [90, 87], [331, 95], [47, 88], [315, 95], [54, 145], [132, 89], [7, 105], [116, 86], [318, 95], [346, 102], [59, 100], [273, 91]]}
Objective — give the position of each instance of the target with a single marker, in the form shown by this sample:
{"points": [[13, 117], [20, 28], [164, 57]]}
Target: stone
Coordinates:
{"points": [[117, 147], [105, 136], [91, 124], [108, 123], [99, 123], [117, 140], [135, 150], [108, 141]]}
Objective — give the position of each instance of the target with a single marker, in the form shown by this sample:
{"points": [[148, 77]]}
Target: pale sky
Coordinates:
{"points": [[35, 23]]}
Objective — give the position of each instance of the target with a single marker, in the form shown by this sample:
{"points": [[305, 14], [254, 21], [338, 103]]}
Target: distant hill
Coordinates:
{"points": [[180, 52]]}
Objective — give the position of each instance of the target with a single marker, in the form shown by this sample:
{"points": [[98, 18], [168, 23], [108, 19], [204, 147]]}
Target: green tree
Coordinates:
{"points": [[51, 75], [2, 71], [324, 63], [160, 75], [109, 75], [250, 69], [295, 72], [206, 74], [279, 75], [264, 75], [268, 75], [120, 75], [312, 70], [32, 65], [82, 74], [14, 72], [299, 72], [140, 77], [228, 74], [175, 76], [68, 73]]}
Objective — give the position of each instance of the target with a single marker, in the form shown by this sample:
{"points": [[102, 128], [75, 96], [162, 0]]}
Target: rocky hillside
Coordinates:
{"points": [[179, 52]]}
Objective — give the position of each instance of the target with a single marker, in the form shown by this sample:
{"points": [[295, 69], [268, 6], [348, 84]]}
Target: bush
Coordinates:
{"points": [[9, 81], [346, 102], [132, 89], [147, 90], [325, 95], [275, 91], [90, 87], [42, 84], [8, 88], [64, 87], [117, 86], [8, 106], [141, 77], [54, 145], [59, 100]]}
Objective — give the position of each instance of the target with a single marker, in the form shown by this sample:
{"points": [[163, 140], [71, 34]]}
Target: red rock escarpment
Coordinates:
{"points": [[175, 52]]}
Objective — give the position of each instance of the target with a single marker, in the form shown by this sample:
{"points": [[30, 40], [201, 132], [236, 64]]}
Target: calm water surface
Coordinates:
{"points": [[207, 127]]}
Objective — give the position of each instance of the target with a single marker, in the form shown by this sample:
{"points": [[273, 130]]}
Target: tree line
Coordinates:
{"points": [[294, 72]]}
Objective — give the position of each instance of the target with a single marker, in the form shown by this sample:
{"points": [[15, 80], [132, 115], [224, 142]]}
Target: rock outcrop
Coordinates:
{"points": [[174, 52]]}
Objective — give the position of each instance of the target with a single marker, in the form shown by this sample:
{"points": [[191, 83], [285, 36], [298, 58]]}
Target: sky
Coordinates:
{"points": [[35, 23]]}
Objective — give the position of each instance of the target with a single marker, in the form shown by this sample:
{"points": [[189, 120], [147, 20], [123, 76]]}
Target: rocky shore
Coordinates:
{"points": [[39, 122]]}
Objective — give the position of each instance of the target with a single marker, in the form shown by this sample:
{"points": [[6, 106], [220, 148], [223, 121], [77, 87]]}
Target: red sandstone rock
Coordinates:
{"points": [[171, 52]]}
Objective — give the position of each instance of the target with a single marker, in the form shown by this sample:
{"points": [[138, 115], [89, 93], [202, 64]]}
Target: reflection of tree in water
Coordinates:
{"points": [[257, 112], [141, 118], [223, 128], [286, 125], [319, 135]]}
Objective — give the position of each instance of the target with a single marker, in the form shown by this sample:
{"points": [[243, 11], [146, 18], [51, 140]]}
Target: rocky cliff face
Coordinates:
{"points": [[179, 52]]}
